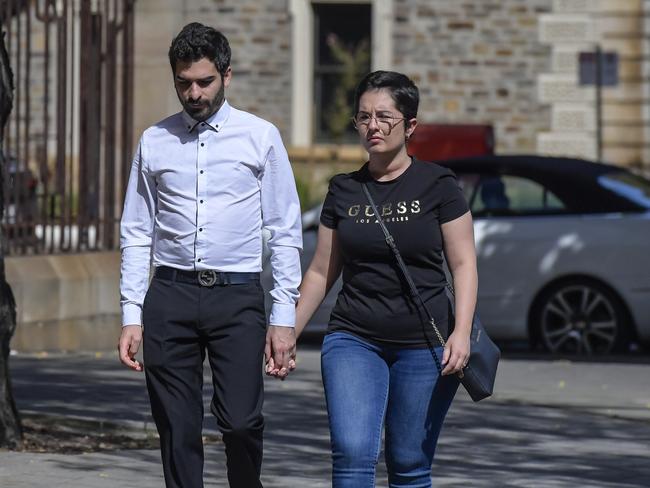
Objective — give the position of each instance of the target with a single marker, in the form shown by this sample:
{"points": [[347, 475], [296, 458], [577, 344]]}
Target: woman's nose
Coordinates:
{"points": [[372, 123]]}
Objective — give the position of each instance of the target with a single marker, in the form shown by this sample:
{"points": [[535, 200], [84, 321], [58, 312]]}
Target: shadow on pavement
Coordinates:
{"points": [[495, 444], [491, 444]]}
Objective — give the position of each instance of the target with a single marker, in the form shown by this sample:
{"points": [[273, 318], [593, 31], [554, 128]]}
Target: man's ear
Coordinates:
{"points": [[227, 76]]}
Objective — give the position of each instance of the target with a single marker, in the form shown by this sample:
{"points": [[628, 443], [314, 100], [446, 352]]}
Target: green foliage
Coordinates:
{"points": [[354, 61], [304, 193]]}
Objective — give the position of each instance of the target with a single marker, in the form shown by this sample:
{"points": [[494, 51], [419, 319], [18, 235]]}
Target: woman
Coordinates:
{"points": [[377, 362]]}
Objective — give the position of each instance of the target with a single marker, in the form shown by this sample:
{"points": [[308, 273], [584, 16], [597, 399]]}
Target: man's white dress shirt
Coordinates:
{"points": [[199, 194]]}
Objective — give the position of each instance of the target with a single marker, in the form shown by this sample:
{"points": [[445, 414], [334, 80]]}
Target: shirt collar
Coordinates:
{"points": [[216, 121]]}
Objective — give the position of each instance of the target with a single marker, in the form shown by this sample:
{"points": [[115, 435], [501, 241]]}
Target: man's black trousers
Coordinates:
{"points": [[181, 322]]}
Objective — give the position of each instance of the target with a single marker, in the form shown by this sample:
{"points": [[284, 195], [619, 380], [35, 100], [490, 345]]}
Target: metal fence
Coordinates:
{"points": [[68, 142]]}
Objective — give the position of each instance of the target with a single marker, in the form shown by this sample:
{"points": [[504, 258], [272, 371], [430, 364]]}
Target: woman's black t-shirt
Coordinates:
{"points": [[375, 301]]}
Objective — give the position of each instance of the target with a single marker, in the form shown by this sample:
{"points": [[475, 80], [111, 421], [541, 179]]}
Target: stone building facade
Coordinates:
{"points": [[620, 27], [509, 63], [475, 61]]}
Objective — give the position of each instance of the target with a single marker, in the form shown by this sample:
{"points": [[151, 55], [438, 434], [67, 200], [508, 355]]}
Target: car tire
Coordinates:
{"points": [[581, 317]]}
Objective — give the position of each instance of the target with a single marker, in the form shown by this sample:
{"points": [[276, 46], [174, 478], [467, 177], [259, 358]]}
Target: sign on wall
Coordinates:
{"points": [[588, 68]]}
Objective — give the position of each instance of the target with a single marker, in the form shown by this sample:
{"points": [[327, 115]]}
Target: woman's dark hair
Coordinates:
{"points": [[401, 88], [198, 41]]}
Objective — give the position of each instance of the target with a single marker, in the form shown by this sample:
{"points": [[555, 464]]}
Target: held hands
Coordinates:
{"points": [[456, 353], [128, 346], [280, 351]]}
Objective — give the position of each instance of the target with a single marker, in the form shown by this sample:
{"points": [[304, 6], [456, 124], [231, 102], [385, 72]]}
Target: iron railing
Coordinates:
{"points": [[68, 142]]}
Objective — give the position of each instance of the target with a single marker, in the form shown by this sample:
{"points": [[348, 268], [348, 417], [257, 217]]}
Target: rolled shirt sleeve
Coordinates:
{"points": [[281, 217]]}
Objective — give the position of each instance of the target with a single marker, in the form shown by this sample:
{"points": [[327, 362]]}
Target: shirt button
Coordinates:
{"points": [[200, 229], [201, 171], [199, 260], [202, 144], [201, 201]]}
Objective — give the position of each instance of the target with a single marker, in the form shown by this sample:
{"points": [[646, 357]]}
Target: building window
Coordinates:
{"points": [[342, 46]]}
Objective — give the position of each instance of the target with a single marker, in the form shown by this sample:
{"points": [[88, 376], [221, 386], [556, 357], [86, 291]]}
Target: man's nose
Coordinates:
{"points": [[195, 91]]}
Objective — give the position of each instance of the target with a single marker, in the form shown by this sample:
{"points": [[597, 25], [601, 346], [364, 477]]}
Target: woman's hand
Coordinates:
{"points": [[456, 353]]}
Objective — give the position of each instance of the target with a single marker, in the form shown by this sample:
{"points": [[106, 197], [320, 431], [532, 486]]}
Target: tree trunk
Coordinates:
{"points": [[10, 428]]}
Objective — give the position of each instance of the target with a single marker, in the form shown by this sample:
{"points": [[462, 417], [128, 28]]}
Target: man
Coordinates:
{"points": [[203, 184]]}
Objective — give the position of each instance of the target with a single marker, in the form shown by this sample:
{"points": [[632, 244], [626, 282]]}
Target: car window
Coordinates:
{"points": [[468, 183], [513, 195], [628, 185]]}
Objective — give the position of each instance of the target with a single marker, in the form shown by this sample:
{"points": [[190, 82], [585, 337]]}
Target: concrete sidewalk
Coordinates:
{"points": [[550, 424]]}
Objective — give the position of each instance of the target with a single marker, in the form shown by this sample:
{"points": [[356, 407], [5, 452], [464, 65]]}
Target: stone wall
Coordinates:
{"points": [[66, 302], [476, 61], [576, 26], [511, 63]]}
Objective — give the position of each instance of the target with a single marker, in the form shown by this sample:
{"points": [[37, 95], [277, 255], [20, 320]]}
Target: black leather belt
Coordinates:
{"points": [[206, 277]]}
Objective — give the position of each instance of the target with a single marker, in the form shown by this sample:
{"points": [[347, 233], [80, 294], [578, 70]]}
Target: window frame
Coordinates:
{"points": [[324, 71], [302, 64]]}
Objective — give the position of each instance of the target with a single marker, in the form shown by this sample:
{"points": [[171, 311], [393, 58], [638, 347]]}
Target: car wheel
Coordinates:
{"points": [[580, 317]]}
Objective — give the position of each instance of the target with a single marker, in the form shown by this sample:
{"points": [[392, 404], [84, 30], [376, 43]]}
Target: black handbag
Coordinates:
{"points": [[478, 376]]}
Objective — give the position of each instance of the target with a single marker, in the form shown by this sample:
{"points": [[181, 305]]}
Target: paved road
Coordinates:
{"points": [[550, 424]]}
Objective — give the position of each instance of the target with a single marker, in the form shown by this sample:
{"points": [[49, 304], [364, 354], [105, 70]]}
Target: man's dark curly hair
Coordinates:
{"points": [[198, 41]]}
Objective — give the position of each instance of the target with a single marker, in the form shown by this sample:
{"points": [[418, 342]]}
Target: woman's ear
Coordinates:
{"points": [[410, 127]]}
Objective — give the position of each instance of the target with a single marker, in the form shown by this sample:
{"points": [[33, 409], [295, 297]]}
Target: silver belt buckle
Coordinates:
{"points": [[207, 277]]}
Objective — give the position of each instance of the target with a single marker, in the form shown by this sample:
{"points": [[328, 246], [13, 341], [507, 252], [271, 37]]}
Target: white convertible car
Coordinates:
{"points": [[563, 250]]}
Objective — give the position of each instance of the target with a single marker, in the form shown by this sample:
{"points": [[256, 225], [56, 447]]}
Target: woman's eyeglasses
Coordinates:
{"points": [[385, 122]]}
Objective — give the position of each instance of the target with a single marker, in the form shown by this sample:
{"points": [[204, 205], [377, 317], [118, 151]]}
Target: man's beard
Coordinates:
{"points": [[206, 109]]}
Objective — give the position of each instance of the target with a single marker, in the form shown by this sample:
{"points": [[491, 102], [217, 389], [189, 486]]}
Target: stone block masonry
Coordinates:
{"points": [[477, 61], [576, 26]]}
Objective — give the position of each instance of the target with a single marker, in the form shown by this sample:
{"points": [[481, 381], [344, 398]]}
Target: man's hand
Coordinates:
{"points": [[129, 345], [280, 351]]}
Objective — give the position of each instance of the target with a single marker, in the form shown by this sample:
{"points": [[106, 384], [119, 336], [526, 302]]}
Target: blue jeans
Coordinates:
{"points": [[368, 386]]}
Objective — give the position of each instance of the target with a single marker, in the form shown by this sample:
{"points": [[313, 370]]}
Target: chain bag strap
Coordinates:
{"points": [[479, 374], [400, 262]]}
